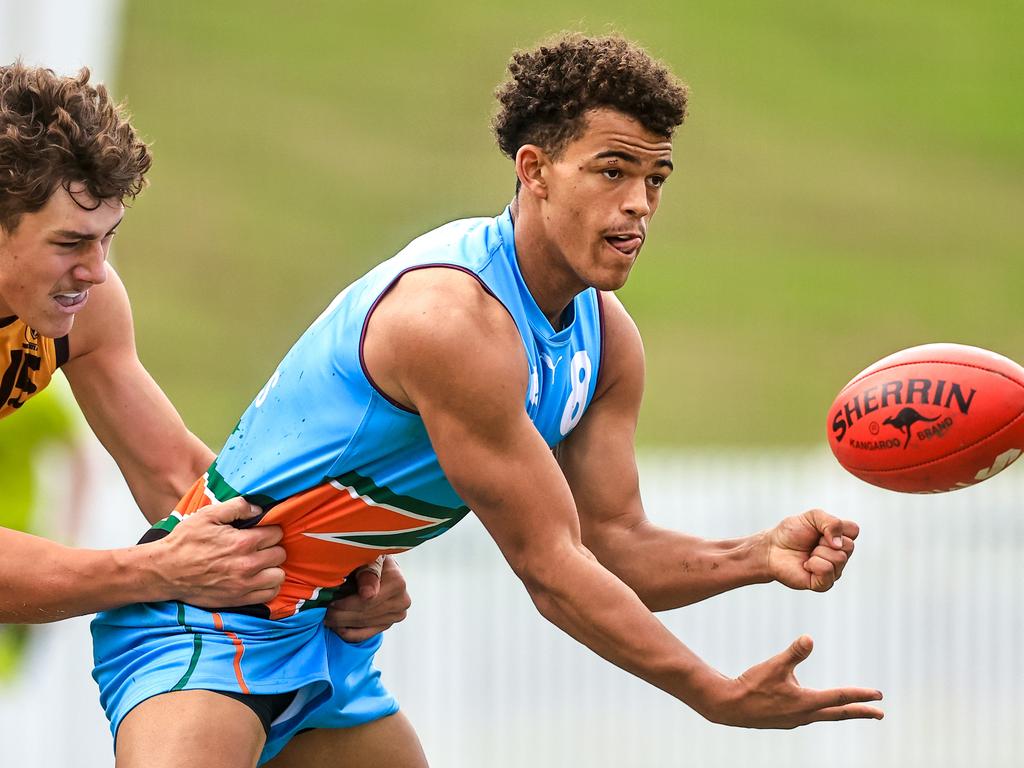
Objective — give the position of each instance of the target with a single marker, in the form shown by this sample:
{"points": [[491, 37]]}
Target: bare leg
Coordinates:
{"points": [[190, 728], [390, 741]]}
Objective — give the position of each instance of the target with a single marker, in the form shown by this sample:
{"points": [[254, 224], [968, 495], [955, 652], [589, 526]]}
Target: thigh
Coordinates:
{"points": [[193, 728], [390, 741]]}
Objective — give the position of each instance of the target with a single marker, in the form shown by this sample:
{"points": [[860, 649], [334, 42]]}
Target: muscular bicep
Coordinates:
{"points": [[506, 474], [126, 409]]}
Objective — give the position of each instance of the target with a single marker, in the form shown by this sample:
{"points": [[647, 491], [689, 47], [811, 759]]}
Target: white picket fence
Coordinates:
{"points": [[930, 611]]}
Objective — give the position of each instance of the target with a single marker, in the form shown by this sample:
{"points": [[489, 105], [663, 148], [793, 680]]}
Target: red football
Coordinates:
{"points": [[929, 419]]}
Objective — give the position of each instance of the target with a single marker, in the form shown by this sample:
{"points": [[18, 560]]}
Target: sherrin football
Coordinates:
{"points": [[929, 419]]}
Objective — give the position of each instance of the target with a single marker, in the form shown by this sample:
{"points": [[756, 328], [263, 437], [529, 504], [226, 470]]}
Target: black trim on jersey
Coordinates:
{"points": [[5, 321], [258, 610], [61, 346], [153, 534]]}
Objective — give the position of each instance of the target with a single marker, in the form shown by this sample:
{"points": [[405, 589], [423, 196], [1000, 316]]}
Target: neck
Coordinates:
{"points": [[551, 283]]}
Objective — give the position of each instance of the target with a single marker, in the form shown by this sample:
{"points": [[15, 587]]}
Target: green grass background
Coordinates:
{"points": [[850, 181]]}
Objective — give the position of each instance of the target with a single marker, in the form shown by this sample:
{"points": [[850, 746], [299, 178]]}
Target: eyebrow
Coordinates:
{"points": [[71, 234], [617, 153]]}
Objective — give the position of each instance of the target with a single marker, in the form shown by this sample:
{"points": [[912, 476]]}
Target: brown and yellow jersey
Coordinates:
{"points": [[27, 362]]}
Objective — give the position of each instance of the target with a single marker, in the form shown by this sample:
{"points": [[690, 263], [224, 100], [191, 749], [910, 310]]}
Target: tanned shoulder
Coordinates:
{"points": [[438, 328]]}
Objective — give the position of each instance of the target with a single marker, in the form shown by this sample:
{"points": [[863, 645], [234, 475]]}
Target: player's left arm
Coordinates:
{"points": [[667, 568], [131, 416]]}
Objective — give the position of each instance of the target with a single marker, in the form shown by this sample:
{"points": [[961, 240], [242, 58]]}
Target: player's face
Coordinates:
{"points": [[603, 192], [54, 256]]}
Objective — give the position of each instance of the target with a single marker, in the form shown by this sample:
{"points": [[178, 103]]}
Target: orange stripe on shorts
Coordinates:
{"points": [[239, 650]]}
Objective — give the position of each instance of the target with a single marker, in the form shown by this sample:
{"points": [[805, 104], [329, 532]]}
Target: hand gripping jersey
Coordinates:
{"points": [[350, 474], [27, 362]]}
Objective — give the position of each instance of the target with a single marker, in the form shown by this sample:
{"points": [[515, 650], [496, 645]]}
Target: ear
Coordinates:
{"points": [[531, 167]]}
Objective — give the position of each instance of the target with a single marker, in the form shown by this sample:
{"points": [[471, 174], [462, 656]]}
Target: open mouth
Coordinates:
{"points": [[71, 299], [626, 244]]}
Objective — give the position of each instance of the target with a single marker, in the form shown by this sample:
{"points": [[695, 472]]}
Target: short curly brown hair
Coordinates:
{"points": [[550, 88], [61, 130]]}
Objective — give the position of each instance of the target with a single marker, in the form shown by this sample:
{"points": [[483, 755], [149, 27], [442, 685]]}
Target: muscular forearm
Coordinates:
{"points": [[589, 603], [141, 430], [42, 581], [668, 569]]}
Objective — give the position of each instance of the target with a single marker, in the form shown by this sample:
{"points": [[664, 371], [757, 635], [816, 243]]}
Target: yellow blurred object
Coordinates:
{"points": [[47, 420]]}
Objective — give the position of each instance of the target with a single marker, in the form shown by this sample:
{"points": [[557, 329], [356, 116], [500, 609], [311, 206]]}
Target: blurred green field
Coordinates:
{"points": [[850, 181]]}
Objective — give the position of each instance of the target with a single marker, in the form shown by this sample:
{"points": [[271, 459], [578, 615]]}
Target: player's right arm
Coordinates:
{"points": [[438, 344], [204, 561]]}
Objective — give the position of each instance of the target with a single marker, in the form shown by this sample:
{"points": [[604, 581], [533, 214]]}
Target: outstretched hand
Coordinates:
{"points": [[809, 551], [768, 695]]}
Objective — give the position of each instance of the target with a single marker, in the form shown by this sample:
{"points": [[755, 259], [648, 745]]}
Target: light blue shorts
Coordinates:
{"points": [[144, 650]]}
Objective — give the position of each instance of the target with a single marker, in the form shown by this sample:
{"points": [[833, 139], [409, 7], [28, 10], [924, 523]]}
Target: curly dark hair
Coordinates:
{"points": [[550, 88], [61, 130]]}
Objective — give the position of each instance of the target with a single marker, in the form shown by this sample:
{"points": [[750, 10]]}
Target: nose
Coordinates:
{"points": [[636, 203], [92, 266]]}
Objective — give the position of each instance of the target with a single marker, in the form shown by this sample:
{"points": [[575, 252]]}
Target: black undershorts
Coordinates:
{"points": [[268, 707]]}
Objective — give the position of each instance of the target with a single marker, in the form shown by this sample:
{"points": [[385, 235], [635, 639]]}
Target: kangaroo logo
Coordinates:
{"points": [[906, 418]]}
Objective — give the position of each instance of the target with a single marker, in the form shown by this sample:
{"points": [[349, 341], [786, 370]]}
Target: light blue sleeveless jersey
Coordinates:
{"points": [[336, 462]]}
